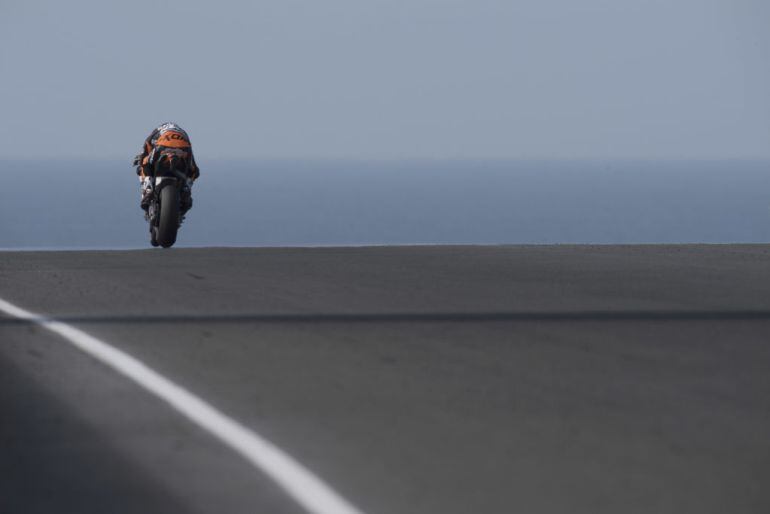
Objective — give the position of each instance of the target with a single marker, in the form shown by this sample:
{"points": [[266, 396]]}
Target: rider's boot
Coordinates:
{"points": [[146, 189], [186, 198], [186, 205]]}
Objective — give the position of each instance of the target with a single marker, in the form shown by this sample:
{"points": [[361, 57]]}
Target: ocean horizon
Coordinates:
{"points": [[49, 205]]}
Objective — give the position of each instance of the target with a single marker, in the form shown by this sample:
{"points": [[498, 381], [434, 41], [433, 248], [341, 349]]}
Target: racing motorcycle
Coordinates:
{"points": [[170, 197]]}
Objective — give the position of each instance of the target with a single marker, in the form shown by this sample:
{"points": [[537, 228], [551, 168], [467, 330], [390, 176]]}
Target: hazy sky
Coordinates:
{"points": [[388, 78]]}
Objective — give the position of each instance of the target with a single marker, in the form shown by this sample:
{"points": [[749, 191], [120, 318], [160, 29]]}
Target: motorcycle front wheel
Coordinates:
{"points": [[154, 235]]}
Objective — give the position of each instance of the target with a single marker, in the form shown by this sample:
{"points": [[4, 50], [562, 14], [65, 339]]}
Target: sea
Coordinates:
{"points": [[49, 205]]}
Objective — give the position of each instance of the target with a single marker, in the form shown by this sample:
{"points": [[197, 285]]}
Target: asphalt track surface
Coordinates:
{"points": [[532, 379]]}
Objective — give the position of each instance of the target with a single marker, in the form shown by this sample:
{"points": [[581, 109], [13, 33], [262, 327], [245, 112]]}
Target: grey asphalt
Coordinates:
{"points": [[450, 379]]}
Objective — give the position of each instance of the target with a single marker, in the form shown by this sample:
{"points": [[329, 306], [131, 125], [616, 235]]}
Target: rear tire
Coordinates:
{"points": [[169, 216]]}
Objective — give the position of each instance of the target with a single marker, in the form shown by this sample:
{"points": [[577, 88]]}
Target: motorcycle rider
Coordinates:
{"points": [[171, 141]]}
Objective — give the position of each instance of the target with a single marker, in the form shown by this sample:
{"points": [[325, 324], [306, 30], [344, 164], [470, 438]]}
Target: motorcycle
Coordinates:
{"points": [[170, 198]]}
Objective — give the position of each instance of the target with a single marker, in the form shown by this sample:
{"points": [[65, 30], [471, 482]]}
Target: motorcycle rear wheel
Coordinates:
{"points": [[168, 222]]}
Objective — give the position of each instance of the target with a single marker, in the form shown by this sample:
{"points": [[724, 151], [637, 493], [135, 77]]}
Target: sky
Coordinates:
{"points": [[388, 79]]}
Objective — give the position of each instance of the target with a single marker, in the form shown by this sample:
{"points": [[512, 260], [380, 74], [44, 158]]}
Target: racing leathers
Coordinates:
{"points": [[168, 145]]}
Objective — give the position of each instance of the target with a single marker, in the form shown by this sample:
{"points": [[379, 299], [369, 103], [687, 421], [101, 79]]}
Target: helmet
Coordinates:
{"points": [[163, 127]]}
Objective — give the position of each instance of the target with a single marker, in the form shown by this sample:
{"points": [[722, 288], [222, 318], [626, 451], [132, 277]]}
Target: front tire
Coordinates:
{"points": [[169, 216]]}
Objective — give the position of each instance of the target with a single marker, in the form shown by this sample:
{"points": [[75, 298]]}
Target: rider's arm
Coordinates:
{"points": [[146, 149], [196, 172]]}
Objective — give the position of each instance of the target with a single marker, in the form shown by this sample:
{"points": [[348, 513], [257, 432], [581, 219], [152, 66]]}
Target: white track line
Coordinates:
{"points": [[302, 485]]}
